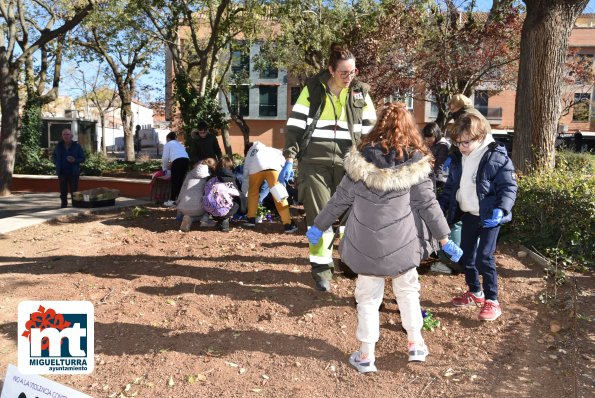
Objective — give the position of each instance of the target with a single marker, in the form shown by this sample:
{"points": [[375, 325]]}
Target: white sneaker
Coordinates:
{"points": [[362, 365], [169, 203], [417, 351], [186, 224]]}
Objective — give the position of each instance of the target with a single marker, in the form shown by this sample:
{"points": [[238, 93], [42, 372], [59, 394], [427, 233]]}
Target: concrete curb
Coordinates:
{"points": [[536, 257], [11, 224]]}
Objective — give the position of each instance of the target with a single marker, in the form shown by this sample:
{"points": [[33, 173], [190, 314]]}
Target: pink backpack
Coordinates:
{"points": [[218, 197]]}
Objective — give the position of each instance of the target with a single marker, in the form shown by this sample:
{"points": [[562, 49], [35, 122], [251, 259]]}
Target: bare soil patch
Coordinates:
{"points": [[208, 314]]}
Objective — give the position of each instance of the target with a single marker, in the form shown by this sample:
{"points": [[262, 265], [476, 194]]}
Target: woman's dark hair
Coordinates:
{"points": [[432, 130], [338, 53], [225, 163], [171, 136]]}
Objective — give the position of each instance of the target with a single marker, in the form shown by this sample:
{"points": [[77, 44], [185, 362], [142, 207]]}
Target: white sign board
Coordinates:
{"points": [[18, 385]]}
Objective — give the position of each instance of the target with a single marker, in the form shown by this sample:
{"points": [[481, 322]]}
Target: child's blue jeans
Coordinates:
{"points": [[480, 261]]}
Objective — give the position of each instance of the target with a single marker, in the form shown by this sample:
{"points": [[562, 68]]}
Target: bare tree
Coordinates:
{"points": [[579, 79], [100, 94], [113, 34]]}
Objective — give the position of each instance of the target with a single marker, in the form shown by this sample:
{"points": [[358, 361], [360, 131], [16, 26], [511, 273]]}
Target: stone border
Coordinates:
{"points": [[536, 257], [128, 187]]}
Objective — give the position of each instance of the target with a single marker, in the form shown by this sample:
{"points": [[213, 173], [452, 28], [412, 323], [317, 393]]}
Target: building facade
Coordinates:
{"points": [[270, 96]]}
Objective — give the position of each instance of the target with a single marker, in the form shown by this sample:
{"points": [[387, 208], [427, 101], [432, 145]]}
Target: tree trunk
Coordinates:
{"points": [[103, 146], [544, 43], [9, 103], [226, 141], [237, 118], [127, 122]]}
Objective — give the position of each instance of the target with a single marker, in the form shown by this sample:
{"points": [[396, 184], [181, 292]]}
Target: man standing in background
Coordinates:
{"points": [[137, 139], [68, 157], [203, 145]]}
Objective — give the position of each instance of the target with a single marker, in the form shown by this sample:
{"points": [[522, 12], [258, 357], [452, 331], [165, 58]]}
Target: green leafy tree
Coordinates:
{"points": [[300, 33], [28, 29], [30, 157], [196, 108]]}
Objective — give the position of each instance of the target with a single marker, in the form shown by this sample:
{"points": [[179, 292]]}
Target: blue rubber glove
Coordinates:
{"points": [[453, 251], [286, 173], [497, 215], [314, 235], [446, 165]]}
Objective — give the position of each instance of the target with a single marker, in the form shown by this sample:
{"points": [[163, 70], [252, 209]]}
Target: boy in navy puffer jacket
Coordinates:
{"points": [[480, 191]]}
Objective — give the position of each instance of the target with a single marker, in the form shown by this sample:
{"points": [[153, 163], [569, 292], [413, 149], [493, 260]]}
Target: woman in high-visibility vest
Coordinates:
{"points": [[331, 115]]}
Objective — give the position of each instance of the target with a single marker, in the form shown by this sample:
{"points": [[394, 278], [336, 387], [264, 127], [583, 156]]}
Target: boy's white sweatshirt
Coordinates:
{"points": [[261, 157], [467, 193]]}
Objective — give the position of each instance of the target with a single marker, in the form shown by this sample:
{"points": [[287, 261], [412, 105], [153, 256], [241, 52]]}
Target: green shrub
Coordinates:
{"points": [[33, 161], [583, 163], [237, 159], [95, 164], [148, 166], [30, 157], [122, 165], [555, 213]]}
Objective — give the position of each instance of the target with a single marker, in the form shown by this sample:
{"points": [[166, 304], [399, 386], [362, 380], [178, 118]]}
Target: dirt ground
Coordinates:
{"points": [[208, 314]]}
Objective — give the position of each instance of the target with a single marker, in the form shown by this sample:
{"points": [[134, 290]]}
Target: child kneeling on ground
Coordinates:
{"points": [[222, 198], [388, 187], [190, 206]]}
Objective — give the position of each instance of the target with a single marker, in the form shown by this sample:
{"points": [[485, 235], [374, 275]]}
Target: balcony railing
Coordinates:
{"points": [[490, 113], [267, 110]]}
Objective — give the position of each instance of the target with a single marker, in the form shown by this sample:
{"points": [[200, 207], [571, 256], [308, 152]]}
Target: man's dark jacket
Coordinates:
{"points": [[63, 166], [203, 148]]}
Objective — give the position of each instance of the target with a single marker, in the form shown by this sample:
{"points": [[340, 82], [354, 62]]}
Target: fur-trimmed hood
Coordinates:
{"points": [[383, 172]]}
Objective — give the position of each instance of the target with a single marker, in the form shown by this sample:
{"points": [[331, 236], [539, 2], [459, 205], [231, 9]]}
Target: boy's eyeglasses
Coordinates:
{"points": [[462, 143], [346, 74]]}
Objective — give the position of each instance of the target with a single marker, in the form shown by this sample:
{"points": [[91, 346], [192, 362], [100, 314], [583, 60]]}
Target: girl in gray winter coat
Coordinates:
{"points": [[393, 221]]}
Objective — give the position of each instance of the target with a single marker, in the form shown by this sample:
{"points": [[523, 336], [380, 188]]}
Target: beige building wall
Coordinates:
{"points": [[269, 132]]}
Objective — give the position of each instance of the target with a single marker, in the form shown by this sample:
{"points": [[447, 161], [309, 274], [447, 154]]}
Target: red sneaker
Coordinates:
{"points": [[468, 299], [490, 311]]}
